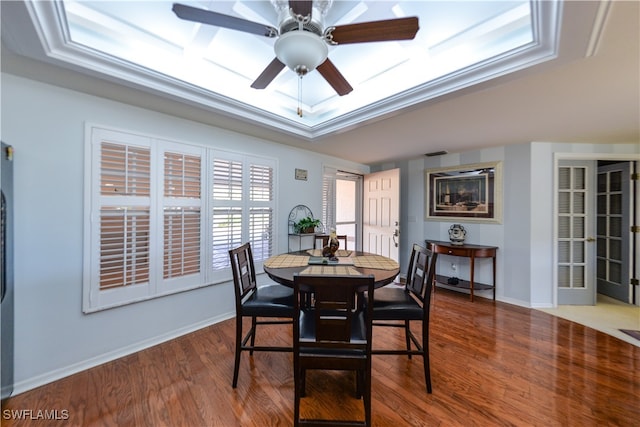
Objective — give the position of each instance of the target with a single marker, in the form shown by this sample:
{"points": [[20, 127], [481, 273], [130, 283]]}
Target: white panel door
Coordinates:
{"points": [[381, 213]]}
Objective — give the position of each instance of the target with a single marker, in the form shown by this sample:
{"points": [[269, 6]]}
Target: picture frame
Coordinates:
{"points": [[468, 193], [301, 174]]}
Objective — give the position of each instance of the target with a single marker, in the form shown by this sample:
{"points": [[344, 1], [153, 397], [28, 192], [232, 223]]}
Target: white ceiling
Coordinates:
{"points": [[585, 90]]}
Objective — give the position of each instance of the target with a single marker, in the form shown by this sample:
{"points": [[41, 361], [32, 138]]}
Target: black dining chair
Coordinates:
{"points": [[398, 306], [332, 334], [322, 240], [265, 305]]}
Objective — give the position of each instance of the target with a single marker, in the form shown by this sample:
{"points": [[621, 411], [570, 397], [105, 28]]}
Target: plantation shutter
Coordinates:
{"points": [[261, 211], [329, 198], [125, 182], [160, 216], [227, 210], [182, 215], [243, 207]]}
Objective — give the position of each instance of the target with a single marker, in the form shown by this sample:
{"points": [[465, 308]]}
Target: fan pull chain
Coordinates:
{"points": [[300, 96]]}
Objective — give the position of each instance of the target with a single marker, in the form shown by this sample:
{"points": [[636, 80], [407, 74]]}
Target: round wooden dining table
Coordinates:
{"points": [[282, 268]]}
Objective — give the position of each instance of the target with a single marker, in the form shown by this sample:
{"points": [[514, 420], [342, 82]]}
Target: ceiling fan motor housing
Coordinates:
{"points": [[301, 46]]}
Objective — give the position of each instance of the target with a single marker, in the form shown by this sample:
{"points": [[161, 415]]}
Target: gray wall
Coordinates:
{"points": [[525, 236], [45, 124]]}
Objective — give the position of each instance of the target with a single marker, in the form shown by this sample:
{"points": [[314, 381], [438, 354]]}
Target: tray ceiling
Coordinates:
{"points": [[143, 43]]}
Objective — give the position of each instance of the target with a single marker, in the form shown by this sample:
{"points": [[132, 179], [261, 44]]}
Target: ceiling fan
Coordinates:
{"points": [[302, 38]]}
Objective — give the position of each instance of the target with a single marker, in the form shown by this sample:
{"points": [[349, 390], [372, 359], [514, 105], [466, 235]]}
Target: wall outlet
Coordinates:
{"points": [[454, 267]]}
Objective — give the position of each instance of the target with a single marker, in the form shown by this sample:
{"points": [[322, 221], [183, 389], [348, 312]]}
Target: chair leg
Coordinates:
{"points": [[236, 366], [253, 334], [297, 391], [407, 336], [425, 356], [367, 398]]}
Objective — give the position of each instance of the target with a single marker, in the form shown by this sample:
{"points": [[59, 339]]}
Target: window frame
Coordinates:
{"points": [[95, 298]]}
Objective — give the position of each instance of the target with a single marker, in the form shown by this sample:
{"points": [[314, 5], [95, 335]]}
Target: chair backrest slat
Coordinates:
{"points": [[421, 271], [244, 274], [335, 310]]}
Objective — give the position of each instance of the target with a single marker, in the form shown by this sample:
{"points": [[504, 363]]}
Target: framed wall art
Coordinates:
{"points": [[472, 193]]}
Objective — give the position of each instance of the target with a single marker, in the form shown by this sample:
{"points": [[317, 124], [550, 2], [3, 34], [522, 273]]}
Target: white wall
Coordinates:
{"points": [[45, 124], [525, 236]]}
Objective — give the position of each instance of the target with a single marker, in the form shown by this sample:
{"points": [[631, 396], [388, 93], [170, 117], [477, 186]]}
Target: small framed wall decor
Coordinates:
{"points": [[301, 174], [472, 193]]}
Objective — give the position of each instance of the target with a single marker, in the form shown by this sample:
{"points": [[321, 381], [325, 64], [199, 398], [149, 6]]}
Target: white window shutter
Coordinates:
{"points": [[161, 216], [329, 197], [261, 211], [124, 228], [182, 251], [228, 215]]}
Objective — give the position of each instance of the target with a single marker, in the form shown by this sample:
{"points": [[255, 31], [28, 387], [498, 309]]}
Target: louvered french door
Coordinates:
{"points": [[614, 222], [575, 247]]}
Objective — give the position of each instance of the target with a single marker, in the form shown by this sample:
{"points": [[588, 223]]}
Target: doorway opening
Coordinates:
{"points": [[342, 205], [604, 313], [596, 229]]}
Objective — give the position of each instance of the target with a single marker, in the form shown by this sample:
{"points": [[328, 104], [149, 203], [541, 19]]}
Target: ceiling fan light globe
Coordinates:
{"points": [[301, 50]]}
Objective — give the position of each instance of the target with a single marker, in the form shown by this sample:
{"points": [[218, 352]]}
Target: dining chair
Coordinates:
{"points": [[324, 241], [398, 306], [333, 334], [265, 305]]}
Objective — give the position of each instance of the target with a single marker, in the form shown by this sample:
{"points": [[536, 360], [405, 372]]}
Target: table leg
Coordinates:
{"points": [[472, 271], [435, 280], [494, 277]]}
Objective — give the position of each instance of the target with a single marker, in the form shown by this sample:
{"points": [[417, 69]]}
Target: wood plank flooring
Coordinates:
{"points": [[493, 364]]}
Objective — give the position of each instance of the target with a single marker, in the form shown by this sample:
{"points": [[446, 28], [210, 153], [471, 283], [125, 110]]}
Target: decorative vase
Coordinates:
{"points": [[457, 234]]}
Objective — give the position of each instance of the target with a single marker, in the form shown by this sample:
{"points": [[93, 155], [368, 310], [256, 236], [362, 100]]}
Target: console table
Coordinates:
{"points": [[468, 251]]}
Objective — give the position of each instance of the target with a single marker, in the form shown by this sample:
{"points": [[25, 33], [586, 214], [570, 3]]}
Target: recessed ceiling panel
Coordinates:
{"points": [[455, 43]]}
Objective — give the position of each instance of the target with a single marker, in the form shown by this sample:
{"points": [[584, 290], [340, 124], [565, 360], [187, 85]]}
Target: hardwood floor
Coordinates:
{"points": [[492, 364]]}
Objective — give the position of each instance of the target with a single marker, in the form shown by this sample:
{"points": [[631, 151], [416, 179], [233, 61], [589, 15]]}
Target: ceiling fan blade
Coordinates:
{"points": [[209, 17], [301, 7], [269, 73], [375, 31], [334, 77]]}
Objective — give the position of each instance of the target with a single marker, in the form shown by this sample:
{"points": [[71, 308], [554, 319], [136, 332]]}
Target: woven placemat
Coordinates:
{"points": [[377, 262], [331, 270], [286, 260], [339, 252]]}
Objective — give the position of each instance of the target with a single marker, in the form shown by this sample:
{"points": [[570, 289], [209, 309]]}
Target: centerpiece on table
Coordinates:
{"points": [[329, 251]]}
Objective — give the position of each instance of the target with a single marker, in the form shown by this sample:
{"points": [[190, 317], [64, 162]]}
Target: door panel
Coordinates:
{"points": [[382, 213], [575, 233], [613, 225]]}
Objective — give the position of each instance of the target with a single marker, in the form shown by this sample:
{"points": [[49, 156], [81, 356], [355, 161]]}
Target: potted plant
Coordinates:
{"points": [[306, 225]]}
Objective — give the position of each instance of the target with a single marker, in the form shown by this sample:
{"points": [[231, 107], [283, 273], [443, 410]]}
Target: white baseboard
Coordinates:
{"points": [[49, 377]]}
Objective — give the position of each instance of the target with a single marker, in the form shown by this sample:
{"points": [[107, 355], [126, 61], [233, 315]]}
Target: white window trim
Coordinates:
{"points": [[95, 299]]}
